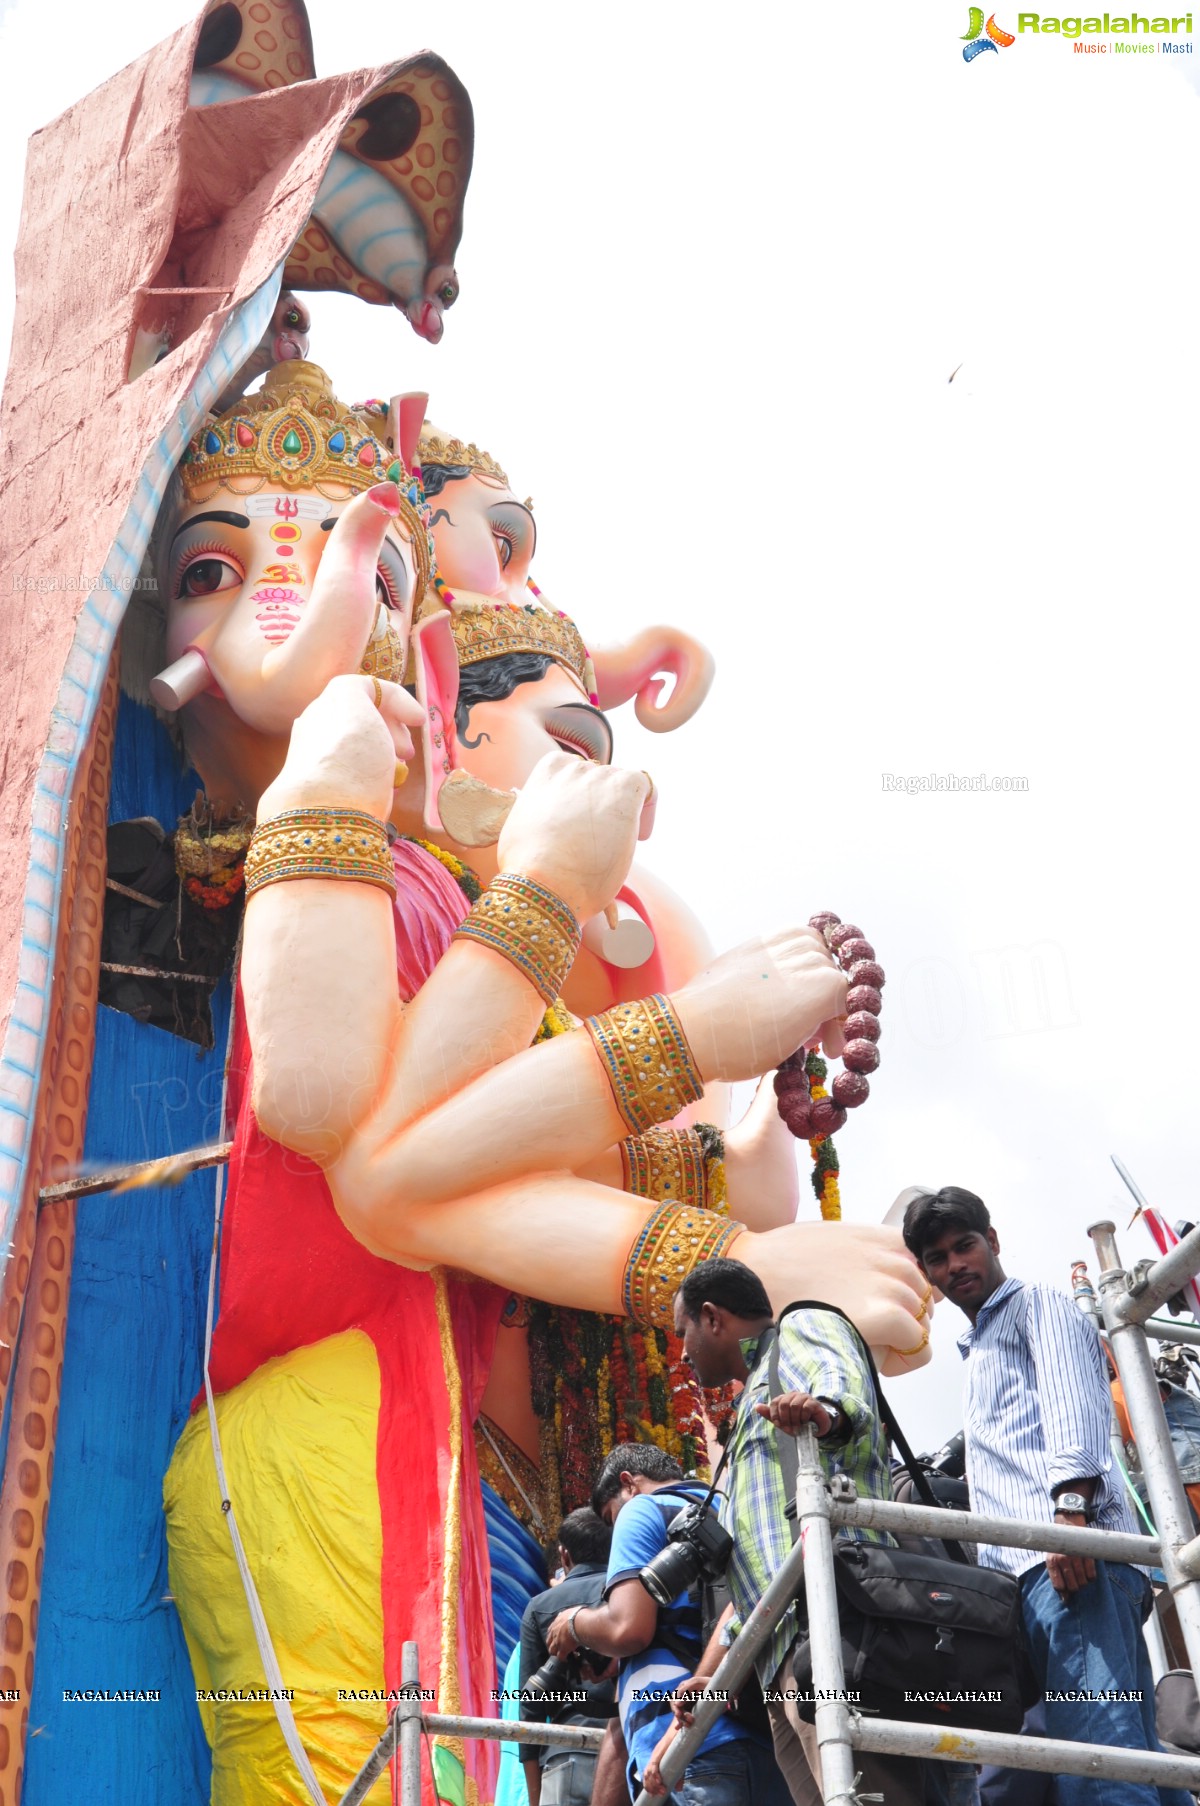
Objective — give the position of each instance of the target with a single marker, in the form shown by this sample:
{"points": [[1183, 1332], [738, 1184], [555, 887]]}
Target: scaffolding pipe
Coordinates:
{"points": [[813, 1506], [444, 1724], [1048, 1755], [1011, 1533], [514, 1730], [1163, 1330], [1168, 1501], [1137, 1301]]}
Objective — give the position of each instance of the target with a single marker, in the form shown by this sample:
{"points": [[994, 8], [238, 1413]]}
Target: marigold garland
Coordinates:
{"points": [[210, 853], [825, 1160], [601, 1381]]}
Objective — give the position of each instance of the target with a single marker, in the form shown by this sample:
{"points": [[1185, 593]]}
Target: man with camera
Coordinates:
{"points": [[651, 1617], [565, 1692], [723, 1315]]}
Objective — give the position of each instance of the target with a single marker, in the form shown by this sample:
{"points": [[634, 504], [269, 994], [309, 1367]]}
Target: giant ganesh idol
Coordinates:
{"points": [[528, 685], [404, 1163], [389, 1140]]}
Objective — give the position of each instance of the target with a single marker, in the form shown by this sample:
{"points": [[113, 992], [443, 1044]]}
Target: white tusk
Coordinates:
{"points": [[173, 688]]}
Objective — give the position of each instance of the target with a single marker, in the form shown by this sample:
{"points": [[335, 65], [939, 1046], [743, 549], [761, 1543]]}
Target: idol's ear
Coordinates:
{"points": [[436, 663], [408, 414]]}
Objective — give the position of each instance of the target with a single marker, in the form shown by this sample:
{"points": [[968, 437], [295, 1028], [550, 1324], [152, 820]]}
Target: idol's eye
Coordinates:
{"points": [[293, 317], [392, 582], [448, 294], [208, 576], [512, 534], [578, 728]]}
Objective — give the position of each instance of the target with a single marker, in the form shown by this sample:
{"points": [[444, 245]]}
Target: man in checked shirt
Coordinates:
{"points": [[722, 1314], [1037, 1411]]}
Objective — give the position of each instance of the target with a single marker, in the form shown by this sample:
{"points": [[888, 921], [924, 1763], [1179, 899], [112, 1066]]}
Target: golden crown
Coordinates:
{"points": [[296, 433], [491, 629], [439, 448]]}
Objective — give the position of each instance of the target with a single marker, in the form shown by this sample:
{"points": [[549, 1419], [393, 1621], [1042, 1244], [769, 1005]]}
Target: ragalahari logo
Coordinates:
{"points": [[974, 41]]}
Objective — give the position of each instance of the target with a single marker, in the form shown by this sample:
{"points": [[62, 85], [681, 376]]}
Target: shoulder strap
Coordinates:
{"points": [[789, 1459]]}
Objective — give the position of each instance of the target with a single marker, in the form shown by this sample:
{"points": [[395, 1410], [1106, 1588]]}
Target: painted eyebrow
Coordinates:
{"points": [[326, 524], [227, 520]]}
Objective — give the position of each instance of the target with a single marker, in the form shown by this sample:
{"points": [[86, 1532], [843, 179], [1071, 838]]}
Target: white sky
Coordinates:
{"points": [[717, 268]]}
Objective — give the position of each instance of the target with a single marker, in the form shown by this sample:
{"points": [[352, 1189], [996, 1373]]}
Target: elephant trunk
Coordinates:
{"points": [[640, 668]]}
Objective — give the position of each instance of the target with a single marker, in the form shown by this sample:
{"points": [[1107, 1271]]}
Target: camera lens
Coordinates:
{"points": [[551, 1674], [671, 1572]]}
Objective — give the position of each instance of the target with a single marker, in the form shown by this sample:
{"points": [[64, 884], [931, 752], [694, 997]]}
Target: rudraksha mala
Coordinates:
{"points": [[811, 1119]]}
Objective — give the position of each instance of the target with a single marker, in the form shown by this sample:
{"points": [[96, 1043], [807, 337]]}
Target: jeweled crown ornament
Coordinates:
{"points": [[437, 447], [296, 434], [491, 629]]}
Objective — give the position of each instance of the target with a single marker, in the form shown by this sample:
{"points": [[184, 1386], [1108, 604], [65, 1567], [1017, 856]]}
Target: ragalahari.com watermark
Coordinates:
{"points": [[916, 783]]}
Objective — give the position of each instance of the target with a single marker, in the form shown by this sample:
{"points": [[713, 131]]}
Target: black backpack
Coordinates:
{"points": [[942, 1630]]}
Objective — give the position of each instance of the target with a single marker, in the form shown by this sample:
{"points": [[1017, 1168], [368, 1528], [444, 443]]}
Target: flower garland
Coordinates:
{"points": [[210, 854], [601, 1382], [824, 1175]]}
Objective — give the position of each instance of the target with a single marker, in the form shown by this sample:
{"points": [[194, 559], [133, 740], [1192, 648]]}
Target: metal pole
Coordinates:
{"points": [[1011, 1533], [408, 1712], [833, 1719], [513, 1730], [489, 1730], [1163, 1278], [1049, 1755], [1168, 1500], [1163, 1330], [403, 1726]]}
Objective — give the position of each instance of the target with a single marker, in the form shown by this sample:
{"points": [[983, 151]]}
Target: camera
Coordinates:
{"points": [[555, 1676], [697, 1549], [951, 1458]]}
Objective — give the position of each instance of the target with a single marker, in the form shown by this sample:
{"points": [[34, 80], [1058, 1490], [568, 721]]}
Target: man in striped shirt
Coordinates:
{"points": [[722, 1313], [1037, 1413]]}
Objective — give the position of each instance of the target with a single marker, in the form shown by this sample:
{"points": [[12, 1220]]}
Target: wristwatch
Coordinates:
{"points": [[840, 1423], [1074, 1502]]}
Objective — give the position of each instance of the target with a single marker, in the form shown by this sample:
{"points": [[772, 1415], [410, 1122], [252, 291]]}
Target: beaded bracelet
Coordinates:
{"points": [[810, 1118], [320, 843], [669, 1244], [648, 1061], [528, 926]]}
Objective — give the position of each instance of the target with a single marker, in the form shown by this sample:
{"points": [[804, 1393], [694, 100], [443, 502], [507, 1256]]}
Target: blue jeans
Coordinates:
{"points": [[739, 1773], [1091, 1641], [951, 1784]]}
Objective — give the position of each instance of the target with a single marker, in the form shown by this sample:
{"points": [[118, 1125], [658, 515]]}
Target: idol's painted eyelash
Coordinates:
{"points": [[389, 583], [204, 550], [565, 739], [572, 737]]}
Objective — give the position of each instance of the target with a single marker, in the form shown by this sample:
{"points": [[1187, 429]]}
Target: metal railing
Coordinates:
{"points": [[1126, 1303]]}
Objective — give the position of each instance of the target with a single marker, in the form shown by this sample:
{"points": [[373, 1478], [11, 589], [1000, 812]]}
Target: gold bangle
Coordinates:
{"points": [[676, 1238], [527, 925], [648, 1061], [667, 1165], [320, 843]]}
